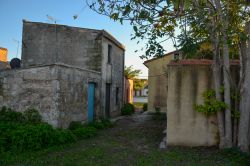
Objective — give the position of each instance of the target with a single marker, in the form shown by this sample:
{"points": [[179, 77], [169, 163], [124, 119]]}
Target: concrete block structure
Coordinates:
{"points": [[66, 71], [187, 81]]}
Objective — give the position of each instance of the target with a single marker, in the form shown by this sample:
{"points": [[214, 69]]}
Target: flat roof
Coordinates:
{"points": [[102, 32]]}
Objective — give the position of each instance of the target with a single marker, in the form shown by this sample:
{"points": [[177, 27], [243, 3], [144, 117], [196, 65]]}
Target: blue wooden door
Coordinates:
{"points": [[91, 101]]}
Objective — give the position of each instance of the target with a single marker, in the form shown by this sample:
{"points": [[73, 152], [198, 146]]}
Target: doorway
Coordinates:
{"points": [[91, 101]]}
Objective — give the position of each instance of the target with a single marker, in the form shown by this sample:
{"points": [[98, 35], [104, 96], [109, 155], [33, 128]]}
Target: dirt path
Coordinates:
{"points": [[133, 141]]}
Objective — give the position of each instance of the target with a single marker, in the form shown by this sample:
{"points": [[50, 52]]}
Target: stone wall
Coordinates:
{"points": [[59, 92], [51, 43], [186, 84]]}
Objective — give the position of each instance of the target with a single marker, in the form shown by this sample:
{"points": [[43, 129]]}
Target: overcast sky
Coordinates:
{"points": [[12, 12]]}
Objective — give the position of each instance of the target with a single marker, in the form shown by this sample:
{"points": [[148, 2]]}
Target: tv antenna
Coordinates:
{"points": [[18, 42], [52, 19]]}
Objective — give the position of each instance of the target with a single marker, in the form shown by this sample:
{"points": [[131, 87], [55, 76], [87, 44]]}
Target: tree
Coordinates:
{"points": [[131, 73], [139, 84], [219, 21]]}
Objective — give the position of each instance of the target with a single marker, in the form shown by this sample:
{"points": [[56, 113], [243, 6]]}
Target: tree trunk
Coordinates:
{"points": [[217, 85], [243, 141], [227, 95], [226, 76]]}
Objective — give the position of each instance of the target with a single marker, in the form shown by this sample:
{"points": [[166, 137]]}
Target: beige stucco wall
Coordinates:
{"points": [[128, 93], [185, 126], [157, 76]]}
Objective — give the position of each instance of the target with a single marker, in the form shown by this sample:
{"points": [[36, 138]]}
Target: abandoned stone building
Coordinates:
{"points": [[67, 73]]}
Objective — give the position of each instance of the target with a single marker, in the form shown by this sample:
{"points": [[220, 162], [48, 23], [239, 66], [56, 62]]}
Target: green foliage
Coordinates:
{"points": [[26, 132], [139, 83], [103, 124], [145, 107], [128, 109], [31, 115], [28, 137], [84, 132], [8, 115], [75, 125], [130, 72], [211, 105], [235, 114]]}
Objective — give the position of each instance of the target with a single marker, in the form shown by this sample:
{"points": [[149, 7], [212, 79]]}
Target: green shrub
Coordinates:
{"points": [[75, 125], [128, 109], [211, 105], [145, 107], [31, 115], [103, 124], [8, 115], [29, 137], [84, 132], [107, 123], [63, 136]]}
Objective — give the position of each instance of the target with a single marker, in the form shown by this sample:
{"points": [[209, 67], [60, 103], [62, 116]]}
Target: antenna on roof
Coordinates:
{"points": [[52, 19], [16, 41]]}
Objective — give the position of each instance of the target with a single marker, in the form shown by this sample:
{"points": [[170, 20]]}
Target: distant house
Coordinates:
{"points": [[157, 80], [143, 91], [67, 73]]}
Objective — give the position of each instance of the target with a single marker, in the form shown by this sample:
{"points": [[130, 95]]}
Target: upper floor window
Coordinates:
{"points": [[109, 53]]}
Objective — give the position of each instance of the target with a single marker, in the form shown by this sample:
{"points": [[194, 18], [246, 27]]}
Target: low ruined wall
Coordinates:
{"points": [[33, 87], [59, 92], [186, 84]]}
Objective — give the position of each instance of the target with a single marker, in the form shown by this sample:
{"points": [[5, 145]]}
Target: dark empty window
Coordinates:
{"points": [[109, 53], [117, 95]]}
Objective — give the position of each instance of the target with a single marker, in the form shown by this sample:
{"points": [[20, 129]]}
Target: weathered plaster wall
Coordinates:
{"points": [[186, 84], [49, 43], [157, 72], [112, 73], [185, 126], [34, 87], [59, 92], [73, 94]]}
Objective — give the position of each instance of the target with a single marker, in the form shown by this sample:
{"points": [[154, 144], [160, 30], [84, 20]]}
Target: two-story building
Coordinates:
{"points": [[68, 74]]}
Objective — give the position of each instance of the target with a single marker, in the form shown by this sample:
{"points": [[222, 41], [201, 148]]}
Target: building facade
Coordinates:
{"points": [[157, 81], [84, 69]]}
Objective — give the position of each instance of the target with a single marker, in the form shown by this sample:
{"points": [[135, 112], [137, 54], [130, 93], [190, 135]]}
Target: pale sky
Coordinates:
{"points": [[12, 12]]}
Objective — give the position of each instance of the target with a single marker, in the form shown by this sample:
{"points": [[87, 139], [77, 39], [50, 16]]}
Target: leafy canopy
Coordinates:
{"points": [[131, 73]]}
